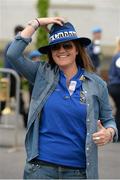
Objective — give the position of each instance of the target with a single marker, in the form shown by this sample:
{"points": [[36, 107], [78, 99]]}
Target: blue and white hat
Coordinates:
{"points": [[96, 29], [34, 53], [59, 34]]}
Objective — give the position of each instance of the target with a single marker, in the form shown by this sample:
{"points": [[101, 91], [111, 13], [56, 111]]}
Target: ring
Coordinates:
{"points": [[97, 138]]}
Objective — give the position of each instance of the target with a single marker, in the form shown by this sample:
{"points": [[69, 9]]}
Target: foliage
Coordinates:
{"points": [[42, 36], [1, 63]]}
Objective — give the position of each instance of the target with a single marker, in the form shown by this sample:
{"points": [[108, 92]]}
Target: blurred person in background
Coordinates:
{"points": [[67, 100], [34, 55], [94, 49], [114, 83], [7, 64]]}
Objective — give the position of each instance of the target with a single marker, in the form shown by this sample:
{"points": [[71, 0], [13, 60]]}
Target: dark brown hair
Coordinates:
{"points": [[17, 29], [82, 59]]}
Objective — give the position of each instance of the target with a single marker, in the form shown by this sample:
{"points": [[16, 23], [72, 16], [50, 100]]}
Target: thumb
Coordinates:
{"points": [[47, 29], [100, 126]]}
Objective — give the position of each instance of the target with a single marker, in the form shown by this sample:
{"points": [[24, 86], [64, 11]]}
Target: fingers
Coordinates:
{"points": [[56, 20], [97, 134], [47, 29], [59, 20], [96, 138], [51, 20], [100, 138], [99, 141]]}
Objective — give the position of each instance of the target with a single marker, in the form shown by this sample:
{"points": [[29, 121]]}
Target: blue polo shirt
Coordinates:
{"points": [[62, 130]]}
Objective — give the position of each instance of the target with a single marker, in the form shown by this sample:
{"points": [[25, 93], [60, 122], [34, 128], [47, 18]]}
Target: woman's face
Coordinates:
{"points": [[64, 54]]}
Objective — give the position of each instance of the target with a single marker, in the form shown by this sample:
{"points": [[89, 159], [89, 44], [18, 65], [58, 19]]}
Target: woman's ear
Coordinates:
{"points": [[77, 48], [77, 51]]}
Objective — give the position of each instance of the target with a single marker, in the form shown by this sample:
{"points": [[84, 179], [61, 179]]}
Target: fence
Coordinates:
{"points": [[5, 86]]}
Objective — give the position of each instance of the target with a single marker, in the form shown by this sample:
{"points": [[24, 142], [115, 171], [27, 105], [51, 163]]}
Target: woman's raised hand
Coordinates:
{"points": [[50, 20], [39, 22]]}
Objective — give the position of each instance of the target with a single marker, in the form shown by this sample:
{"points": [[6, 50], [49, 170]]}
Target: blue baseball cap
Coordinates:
{"points": [[34, 53], [96, 29], [59, 34]]}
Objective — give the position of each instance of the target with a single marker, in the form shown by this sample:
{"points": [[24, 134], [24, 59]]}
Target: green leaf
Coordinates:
{"points": [[42, 35]]}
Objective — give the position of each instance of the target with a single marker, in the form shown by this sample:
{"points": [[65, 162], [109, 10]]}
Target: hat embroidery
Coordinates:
{"points": [[62, 35]]}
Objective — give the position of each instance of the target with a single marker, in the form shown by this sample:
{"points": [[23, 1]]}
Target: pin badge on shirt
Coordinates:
{"points": [[82, 97], [82, 78], [82, 93], [72, 87]]}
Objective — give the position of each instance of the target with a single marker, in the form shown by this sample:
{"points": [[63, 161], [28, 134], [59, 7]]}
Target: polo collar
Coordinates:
{"points": [[86, 75]]}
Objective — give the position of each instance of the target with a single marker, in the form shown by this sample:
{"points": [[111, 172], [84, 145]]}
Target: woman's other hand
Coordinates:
{"points": [[103, 136]]}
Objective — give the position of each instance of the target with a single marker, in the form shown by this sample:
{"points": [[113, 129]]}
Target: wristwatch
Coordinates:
{"points": [[34, 24]]}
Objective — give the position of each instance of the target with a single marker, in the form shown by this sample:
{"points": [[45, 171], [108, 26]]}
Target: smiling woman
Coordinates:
{"points": [[62, 138], [64, 55], [81, 59]]}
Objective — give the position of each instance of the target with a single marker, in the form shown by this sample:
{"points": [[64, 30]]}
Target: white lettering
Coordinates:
{"points": [[62, 34]]}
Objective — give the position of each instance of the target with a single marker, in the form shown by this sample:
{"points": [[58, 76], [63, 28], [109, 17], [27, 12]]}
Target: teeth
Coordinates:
{"points": [[63, 56]]}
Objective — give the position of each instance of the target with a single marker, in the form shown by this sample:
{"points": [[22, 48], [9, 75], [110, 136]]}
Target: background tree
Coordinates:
{"points": [[42, 9]]}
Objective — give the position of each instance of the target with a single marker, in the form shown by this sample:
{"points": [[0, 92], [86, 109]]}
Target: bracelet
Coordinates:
{"points": [[33, 24], [38, 22]]}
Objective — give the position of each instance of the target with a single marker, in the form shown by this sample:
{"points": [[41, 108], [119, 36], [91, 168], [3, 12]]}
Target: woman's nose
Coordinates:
{"points": [[61, 49]]}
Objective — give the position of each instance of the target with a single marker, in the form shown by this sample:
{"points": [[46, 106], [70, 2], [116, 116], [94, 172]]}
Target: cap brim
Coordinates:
{"points": [[83, 41]]}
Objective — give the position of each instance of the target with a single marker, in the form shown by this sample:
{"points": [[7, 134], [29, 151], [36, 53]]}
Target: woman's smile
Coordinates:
{"points": [[63, 56]]}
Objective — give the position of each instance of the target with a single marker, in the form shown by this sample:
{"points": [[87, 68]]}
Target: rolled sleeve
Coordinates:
{"points": [[17, 47], [26, 40], [21, 63]]}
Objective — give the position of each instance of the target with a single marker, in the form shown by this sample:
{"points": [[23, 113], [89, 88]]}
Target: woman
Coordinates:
{"points": [[114, 83], [67, 101]]}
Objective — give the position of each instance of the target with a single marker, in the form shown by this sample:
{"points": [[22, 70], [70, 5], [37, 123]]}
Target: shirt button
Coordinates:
{"points": [[87, 149], [85, 91], [88, 134], [88, 104], [88, 163], [66, 97], [88, 120]]}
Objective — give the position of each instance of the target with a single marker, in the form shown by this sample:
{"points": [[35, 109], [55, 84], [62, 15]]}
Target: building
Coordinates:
{"points": [[83, 14]]}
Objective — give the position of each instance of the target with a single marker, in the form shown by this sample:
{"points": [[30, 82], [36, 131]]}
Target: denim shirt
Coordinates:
{"points": [[45, 80]]}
